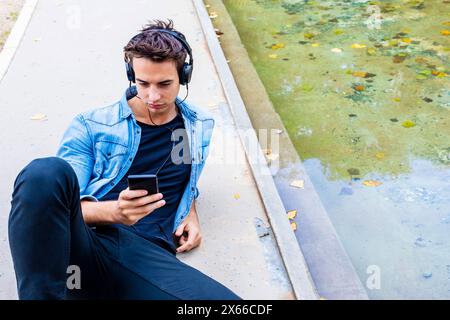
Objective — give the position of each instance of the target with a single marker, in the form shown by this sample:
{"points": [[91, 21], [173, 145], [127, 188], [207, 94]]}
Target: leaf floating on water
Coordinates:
{"points": [[293, 226], [298, 184], [379, 155], [399, 58], [371, 51], [358, 46], [336, 50], [39, 116], [277, 46], [292, 214], [353, 172], [371, 183], [408, 124], [309, 35], [363, 74]]}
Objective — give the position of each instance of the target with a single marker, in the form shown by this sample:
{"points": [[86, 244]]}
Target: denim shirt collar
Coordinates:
{"points": [[125, 109]]}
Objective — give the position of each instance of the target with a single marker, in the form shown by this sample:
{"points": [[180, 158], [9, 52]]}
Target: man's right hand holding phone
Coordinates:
{"points": [[133, 205]]}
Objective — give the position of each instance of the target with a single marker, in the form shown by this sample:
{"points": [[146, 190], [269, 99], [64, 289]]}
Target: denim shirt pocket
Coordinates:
{"points": [[109, 157]]}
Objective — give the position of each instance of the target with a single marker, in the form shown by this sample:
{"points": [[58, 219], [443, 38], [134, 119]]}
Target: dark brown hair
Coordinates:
{"points": [[156, 46]]}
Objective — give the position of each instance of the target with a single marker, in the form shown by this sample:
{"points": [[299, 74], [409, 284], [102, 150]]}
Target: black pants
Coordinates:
{"points": [[47, 234]]}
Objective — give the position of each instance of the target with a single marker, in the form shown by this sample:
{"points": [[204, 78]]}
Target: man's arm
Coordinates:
{"points": [[131, 207]]}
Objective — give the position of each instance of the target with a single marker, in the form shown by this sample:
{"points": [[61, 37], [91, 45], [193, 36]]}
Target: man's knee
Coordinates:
{"points": [[45, 171]]}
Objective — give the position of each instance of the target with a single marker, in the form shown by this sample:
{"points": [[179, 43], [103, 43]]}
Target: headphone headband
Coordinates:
{"points": [[186, 70]]}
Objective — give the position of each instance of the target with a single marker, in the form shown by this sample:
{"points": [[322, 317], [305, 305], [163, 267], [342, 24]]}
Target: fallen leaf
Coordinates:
{"points": [[338, 31], [371, 51], [362, 74], [309, 35], [371, 183], [397, 99], [292, 214], [277, 46], [278, 131], [408, 124], [298, 184], [446, 23], [359, 87], [293, 226], [315, 44], [445, 32], [237, 196], [213, 15], [273, 56], [336, 50], [39, 116], [218, 32], [353, 171], [358, 46], [379, 155]]}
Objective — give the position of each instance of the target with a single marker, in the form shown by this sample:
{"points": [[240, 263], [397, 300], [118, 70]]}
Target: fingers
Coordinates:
{"points": [[128, 194], [139, 201], [190, 242], [142, 211]]}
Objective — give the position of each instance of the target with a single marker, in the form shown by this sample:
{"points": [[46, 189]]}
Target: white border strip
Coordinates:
{"points": [[290, 251], [14, 38]]}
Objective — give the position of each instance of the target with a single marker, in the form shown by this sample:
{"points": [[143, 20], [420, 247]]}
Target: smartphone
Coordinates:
{"points": [[147, 182]]}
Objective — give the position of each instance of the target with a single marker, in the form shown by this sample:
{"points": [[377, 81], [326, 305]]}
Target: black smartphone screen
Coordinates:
{"points": [[147, 182]]}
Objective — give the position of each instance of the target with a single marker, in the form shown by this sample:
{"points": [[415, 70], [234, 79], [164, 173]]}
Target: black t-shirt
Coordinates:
{"points": [[154, 148]]}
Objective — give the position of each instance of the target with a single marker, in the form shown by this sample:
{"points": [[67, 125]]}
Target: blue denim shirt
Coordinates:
{"points": [[101, 144]]}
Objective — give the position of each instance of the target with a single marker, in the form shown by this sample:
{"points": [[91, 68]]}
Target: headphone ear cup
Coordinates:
{"points": [[130, 72], [186, 74]]}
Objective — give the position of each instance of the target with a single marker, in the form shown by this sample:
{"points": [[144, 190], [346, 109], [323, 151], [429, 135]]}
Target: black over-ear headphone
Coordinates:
{"points": [[186, 70]]}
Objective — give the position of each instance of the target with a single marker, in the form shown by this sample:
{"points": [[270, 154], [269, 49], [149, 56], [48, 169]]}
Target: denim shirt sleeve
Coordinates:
{"points": [[76, 148]]}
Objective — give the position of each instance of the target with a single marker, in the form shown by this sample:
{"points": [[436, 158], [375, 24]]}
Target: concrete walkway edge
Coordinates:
{"points": [[14, 38], [290, 251]]}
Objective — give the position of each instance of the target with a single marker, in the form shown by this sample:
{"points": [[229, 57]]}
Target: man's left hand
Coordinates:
{"points": [[188, 233]]}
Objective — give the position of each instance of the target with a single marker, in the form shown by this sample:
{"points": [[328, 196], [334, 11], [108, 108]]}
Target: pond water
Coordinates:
{"points": [[363, 88]]}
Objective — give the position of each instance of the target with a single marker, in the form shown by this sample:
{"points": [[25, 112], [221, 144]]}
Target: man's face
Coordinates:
{"points": [[157, 83]]}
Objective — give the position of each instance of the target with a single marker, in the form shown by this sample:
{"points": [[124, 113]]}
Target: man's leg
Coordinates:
{"points": [[47, 234], [147, 270]]}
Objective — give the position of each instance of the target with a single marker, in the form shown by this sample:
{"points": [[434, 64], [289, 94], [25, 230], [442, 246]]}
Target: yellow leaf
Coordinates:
{"points": [[406, 40], [358, 46], [397, 99], [379, 155], [293, 226], [446, 23], [273, 56], [372, 183], [360, 74], [445, 32], [278, 46], [338, 31], [39, 116], [309, 35], [408, 124], [315, 44], [371, 51], [298, 184], [237, 196], [292, 214]]}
